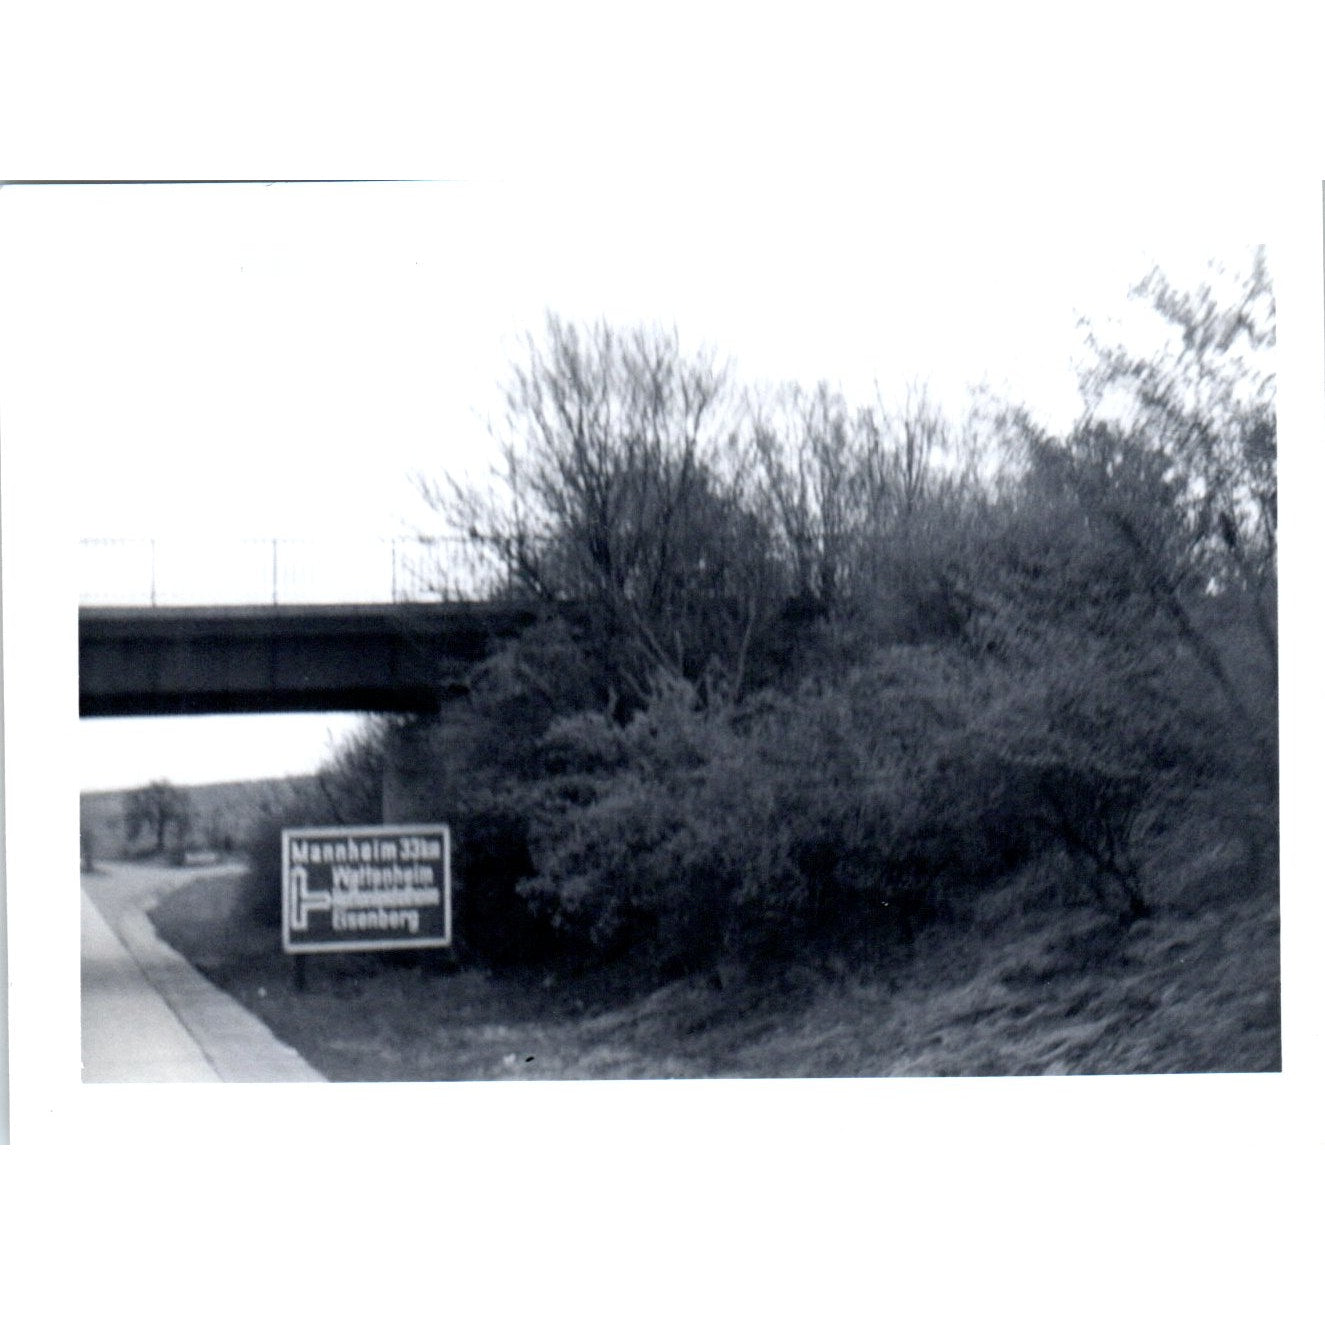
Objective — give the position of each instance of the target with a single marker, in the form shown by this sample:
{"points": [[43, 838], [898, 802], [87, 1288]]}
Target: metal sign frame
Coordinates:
{"points": [[399, 846]]}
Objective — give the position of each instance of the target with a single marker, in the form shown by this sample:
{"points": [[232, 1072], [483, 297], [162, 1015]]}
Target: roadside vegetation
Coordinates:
{"points": [[853, 739], [164, 823]]}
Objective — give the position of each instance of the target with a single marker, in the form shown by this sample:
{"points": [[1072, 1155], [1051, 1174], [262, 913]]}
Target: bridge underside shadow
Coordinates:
{"points": [[398, 658]]}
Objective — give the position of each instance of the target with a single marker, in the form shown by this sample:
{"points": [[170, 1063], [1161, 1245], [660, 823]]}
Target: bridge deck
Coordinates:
{"points": [[288, 658]]}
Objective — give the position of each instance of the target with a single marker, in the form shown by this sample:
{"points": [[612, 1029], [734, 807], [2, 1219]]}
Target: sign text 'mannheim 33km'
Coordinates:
{"points": [[357, 889]]}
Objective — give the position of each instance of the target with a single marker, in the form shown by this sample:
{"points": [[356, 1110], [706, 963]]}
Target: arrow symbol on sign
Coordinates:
{"points": [[304, 900]]}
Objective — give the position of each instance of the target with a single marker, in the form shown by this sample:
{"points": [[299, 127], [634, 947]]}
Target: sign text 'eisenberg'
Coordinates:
{"points": [[357, 889]]}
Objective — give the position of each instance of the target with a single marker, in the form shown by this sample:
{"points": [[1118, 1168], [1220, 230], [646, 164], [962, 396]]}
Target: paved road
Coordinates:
{"points": [[148, 1016]]}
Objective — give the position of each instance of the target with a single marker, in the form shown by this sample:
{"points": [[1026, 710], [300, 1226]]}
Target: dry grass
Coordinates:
{"points": [[1024, 981]]}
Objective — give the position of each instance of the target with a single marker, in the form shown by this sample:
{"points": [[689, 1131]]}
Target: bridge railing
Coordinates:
{"points": [[162, 572]]}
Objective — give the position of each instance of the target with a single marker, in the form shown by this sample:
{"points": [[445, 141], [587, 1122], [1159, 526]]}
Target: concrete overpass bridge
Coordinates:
{"points": [[275, 636], [280, 626], [384, 658]]}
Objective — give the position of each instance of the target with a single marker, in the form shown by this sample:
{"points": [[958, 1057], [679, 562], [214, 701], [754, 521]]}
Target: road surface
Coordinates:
{"points": [[148, 1016]]}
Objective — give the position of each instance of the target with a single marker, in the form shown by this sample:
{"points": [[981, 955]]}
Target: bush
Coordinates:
{"points": [[875, 804], [494, 923], [701, 831], [623, 848], [1120, 686], [1065, 660], [522, 687]]}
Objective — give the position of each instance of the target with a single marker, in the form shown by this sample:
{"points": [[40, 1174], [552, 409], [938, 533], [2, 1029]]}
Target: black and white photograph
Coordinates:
{"points": [[844, 644], [663, 647]]}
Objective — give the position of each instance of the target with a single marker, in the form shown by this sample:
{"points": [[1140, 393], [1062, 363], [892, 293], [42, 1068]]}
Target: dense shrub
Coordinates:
{"points": [[1124, 680], [869, 800], [621, 840], [703, 829], [522, 687], [828, 673], [493, 922]]}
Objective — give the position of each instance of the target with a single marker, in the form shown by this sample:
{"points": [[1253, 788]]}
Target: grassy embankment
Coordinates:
{"points": [[1019, 981]]}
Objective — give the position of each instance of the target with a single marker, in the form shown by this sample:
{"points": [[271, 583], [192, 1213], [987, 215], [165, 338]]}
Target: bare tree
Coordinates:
{"points": [[815, 488], [620, 491], [1205, 405], [864, 505]]}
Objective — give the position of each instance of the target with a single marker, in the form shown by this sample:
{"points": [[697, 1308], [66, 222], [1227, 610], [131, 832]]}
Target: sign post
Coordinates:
{"points": [[365, 889]]}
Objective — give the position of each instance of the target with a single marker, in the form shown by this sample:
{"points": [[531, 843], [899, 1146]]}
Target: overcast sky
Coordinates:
{"points": [[257, 361]]}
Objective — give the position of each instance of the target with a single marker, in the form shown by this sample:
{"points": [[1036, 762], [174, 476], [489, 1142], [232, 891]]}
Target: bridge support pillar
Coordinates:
{"points": [[410, 774], [427, 764]]}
